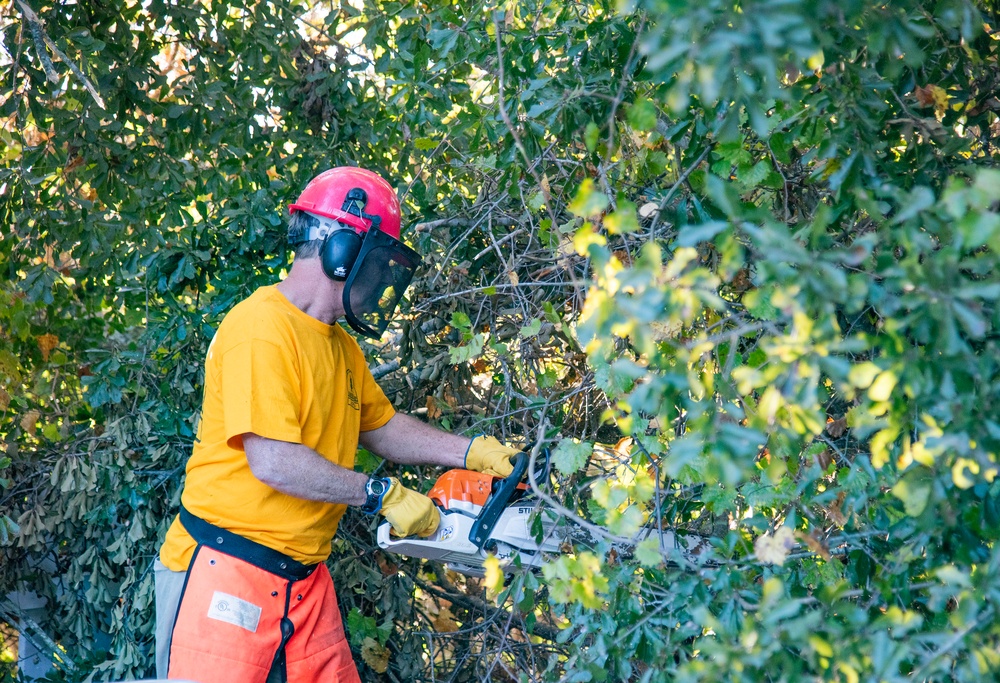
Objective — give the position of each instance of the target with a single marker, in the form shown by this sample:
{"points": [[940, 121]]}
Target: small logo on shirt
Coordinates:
{"points": [[352, 394]]}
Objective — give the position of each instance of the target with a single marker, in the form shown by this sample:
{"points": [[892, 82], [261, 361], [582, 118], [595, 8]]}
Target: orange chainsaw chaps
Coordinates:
{"points": [[229, 626]]}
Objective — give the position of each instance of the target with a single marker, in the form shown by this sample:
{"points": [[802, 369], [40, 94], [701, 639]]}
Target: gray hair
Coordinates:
{"points": [[306, 250]]}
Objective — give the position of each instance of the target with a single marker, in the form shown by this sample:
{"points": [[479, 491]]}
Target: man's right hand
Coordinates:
{"points": [[409, 512]]}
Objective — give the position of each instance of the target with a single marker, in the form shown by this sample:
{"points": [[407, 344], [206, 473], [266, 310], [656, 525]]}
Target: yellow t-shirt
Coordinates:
{"points": [[278, 372]]}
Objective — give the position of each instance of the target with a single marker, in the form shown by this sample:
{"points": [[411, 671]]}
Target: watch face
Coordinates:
{"points": [[377, 487]]}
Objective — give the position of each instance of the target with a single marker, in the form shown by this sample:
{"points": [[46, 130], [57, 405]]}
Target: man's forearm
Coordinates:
{"points": [[408, 441], [299, 471]]}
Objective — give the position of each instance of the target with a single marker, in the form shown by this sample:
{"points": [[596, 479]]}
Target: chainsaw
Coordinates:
{"points": [[483, 515]]}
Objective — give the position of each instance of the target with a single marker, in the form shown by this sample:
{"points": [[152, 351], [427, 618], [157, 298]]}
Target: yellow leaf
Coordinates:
{"points": [[850, 673], [959, 476], [494, 575], [29, 421], [881, 388], [375, 655], [822, 647], [815, 62], [879, 446]]}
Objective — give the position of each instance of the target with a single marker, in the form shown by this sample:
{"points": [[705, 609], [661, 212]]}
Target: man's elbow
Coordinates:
{"points": [[264, 463]]}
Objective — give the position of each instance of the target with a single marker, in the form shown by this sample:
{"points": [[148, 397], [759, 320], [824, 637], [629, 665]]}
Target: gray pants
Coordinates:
{"points": [[169, 585]]}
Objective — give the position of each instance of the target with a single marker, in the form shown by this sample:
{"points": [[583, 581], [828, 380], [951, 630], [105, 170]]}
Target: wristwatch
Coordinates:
{"points": [[375, 490]]}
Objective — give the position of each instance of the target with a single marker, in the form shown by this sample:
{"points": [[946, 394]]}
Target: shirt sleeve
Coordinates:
{"points": [[376, 409], [260, 392]]}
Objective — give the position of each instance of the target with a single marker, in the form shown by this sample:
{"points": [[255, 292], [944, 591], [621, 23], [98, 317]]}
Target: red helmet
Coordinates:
{"points": [[354, 196]]}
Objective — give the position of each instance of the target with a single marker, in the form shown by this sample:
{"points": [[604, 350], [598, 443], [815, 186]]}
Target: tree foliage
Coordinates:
{"points": [[734, 261]]}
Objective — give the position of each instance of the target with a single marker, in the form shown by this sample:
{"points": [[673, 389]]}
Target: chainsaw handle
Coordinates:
{"points": [[503, 492]]}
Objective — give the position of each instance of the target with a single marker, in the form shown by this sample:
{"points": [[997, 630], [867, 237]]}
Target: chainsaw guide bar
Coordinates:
{"points": [[482, 515]]}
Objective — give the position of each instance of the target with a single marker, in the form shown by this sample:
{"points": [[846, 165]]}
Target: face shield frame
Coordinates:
{"points": [[379, 277]]}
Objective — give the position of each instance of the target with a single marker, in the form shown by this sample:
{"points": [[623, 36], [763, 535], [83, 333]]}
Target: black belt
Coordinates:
{"points": [[225, 541]]}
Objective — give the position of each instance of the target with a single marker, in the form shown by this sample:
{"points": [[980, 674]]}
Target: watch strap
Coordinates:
{"points": [[373, 502]]}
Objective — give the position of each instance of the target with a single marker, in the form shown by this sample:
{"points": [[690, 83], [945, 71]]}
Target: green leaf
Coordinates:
{"points": [[571, 455], [591, 134], [753, 176], [642, 115], [461, 321], [693, 235], [588, 200], [360, 627], [954, 576], [758, 303], [473, 349], [532, 328], [648, 554], [623, 220], [914, 490]]}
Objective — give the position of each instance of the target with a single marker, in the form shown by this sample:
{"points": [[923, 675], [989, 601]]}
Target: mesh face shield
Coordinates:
{"points": [[380, 275]]}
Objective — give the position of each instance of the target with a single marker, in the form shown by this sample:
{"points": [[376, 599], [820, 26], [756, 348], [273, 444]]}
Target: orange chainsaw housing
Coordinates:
{"points": [[463, 485]]}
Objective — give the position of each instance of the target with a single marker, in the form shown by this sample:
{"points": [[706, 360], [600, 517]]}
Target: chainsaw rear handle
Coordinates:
{"points": [[503, 492]]}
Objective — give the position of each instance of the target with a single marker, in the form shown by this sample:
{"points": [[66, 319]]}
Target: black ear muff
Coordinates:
{"points": [[340, 251]]}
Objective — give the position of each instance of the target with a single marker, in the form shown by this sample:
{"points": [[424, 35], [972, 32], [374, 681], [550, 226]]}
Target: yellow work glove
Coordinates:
{"points": [[489, 456], [409, 512]]}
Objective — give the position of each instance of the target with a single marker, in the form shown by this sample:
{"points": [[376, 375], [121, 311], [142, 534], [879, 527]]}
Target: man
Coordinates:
{"points": [[242, 593]]}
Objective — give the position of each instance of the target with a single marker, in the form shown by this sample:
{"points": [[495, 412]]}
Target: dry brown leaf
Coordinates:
{"points": [[4, 399], [741, 281], [824, 458], [445, 622], [385, 566], [546, 187], [73, 163], [479, 366], [925, 97], [814, 544], [836, 428], [514, 279], [624, 447], [433, 411], [29, 421], [46, 343], [376, 656], [835, 511]]}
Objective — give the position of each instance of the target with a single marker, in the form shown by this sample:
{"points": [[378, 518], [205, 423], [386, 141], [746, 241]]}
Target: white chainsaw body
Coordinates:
{"points": [[450, 543]]}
